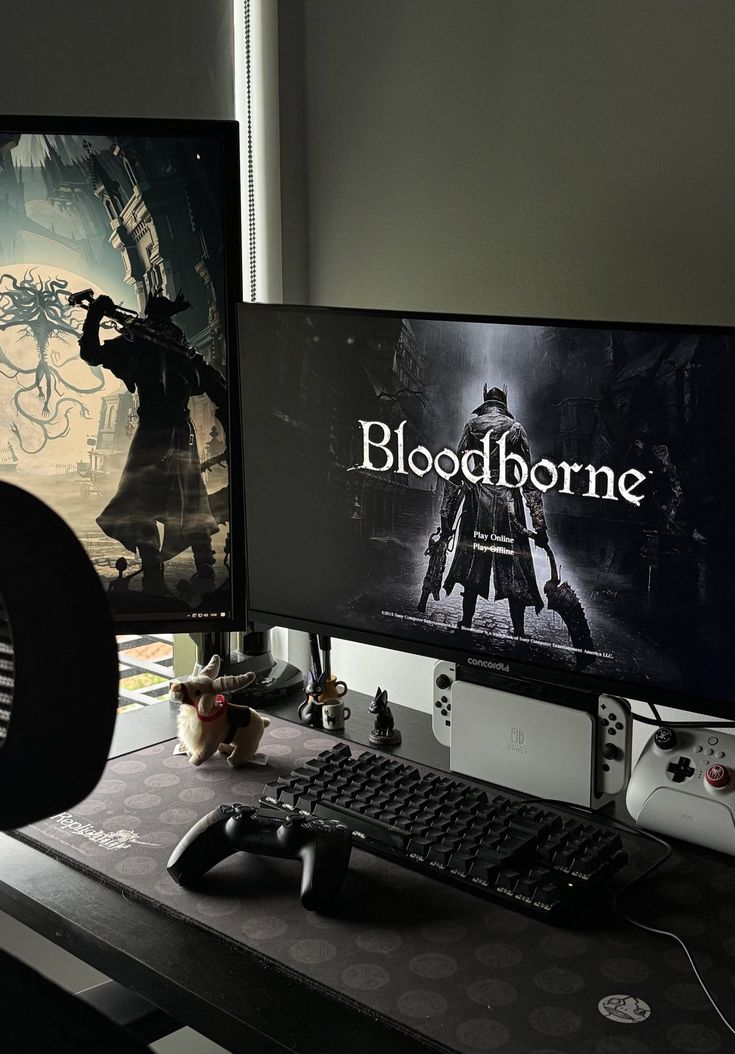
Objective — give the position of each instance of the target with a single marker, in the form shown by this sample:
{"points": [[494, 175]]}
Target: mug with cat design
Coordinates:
{"points": [[334, 715]]}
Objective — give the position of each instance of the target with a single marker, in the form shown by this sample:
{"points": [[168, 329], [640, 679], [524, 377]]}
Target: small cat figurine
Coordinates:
{"points": [[384, 732], [310, 710]]}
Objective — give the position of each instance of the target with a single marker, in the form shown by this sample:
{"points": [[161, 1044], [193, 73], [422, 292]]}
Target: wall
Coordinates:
{"points": [[564, 159], [171, 58]]}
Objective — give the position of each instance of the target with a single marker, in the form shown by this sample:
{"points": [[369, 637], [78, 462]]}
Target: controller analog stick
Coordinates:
{"points": [[443, 682], [717, 776], [610, 752], [665, 739]]}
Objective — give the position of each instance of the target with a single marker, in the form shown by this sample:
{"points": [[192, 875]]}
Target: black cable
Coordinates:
{"points": [[658, 721], [681, 724], [655, 713]]}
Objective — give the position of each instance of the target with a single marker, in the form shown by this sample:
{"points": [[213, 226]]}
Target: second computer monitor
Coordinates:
{"points": [[119, 274]]}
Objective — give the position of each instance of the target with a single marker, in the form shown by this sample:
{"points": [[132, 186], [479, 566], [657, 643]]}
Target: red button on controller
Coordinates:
{"points": [[717, 776]]}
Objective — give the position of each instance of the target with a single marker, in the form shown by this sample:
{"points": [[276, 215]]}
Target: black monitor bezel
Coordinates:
{"points": [[228, 133], [527, 671]]}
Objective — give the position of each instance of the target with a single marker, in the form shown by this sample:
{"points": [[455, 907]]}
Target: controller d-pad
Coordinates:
{"points": [[680, 770]]}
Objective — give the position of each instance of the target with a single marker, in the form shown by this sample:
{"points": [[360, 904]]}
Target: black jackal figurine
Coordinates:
{"points": [[383, 733]]}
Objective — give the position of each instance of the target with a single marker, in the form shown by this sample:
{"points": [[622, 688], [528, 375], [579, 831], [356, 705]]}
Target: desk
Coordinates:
{"points": [[240, 1002]]}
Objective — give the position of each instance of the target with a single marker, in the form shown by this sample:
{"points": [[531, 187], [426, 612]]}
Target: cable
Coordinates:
{"points": [[681, 724], [655, 712], [655, 929], [658, 721], [637, 831]]}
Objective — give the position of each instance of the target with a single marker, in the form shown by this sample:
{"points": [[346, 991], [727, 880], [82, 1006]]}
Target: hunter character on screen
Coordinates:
{"points": [[113, 389], [548, 494]]}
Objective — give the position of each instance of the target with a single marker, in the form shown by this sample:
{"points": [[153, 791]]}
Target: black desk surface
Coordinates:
{"points": [[245, 1004]]}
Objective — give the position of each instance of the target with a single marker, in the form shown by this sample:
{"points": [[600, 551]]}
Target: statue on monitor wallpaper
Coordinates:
{"points": [[492, 542], [127, 440], [484, 523]]}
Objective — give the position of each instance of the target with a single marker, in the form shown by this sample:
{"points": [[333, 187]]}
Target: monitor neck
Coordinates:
{"points": [[250, 652]]}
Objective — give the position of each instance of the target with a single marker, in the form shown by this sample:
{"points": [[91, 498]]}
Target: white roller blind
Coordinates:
{"points": [[256, 108]]}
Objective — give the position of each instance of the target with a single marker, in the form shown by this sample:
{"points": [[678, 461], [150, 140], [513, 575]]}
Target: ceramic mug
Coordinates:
{"points": [[334, 715], [333, 689]]}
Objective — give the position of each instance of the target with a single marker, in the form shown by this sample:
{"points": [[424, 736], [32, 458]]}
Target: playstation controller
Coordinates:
{"points": [[322, 846]]}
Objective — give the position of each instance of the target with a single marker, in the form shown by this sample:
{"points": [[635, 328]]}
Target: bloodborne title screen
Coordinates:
{"points": [[551, 494]]}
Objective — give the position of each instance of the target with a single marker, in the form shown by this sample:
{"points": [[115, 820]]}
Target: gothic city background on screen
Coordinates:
{"points": [[113, 392], [556, 495]]}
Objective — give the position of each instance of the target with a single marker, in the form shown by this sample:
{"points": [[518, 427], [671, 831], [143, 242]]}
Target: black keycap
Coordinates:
{"points": [[507, 880], [490, 855], [526, 887], [483, 871], [271, 792], [547, 895], [461, 862], [307, 802], [419, 847], [440, 854], [563, 858]]}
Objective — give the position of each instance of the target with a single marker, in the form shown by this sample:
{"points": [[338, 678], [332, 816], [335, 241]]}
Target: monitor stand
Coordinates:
{"points": [[540, 739], [275, 678]]}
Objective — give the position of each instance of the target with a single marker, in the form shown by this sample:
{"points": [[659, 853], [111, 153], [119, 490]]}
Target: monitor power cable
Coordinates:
{"points": [[659, 722]]}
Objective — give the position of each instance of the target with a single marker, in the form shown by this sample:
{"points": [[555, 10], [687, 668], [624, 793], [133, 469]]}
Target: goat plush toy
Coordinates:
{"points": [[208, 722]]}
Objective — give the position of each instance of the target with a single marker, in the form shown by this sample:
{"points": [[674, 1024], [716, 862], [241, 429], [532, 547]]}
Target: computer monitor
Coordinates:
{"points": [[547, 499], [120, 268]]}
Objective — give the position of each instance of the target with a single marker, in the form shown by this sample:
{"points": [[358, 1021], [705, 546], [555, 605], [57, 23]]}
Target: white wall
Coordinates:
{"points": [[566, 159], [171, 58]]}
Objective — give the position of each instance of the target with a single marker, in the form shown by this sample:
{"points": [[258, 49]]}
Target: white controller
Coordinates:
{"points": [[614, 744], [445, 674], [684, 786]]}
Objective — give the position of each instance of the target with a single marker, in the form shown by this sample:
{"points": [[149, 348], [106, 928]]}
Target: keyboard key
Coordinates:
{"points": [[440, 854], [461, 862], [483, 871], [507, 880]]}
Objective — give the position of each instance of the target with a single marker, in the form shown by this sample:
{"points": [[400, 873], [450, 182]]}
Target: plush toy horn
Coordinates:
{"points": [[230, 683], [212, 667]]}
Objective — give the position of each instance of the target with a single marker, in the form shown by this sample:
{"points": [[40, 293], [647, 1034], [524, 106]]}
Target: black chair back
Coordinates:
{"points": [[58, 664]]}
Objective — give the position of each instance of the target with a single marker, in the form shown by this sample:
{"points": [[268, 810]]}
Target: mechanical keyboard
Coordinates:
{"points": [[529, 855]]}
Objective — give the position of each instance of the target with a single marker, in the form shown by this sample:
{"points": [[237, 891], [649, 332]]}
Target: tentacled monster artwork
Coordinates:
{"points": [[47, 393]]}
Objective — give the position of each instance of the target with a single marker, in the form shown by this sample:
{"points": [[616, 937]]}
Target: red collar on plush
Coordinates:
{"points": [[220, 707]]}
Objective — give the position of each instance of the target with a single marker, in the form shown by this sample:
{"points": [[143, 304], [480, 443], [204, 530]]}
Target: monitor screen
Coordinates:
{"points": [[539, 497], [119, 275]]}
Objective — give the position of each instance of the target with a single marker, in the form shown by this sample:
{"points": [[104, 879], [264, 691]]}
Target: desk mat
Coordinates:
{"points": [[457, 970]]}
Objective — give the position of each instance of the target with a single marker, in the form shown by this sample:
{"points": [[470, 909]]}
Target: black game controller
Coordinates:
{"points": [[322, 846]]}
